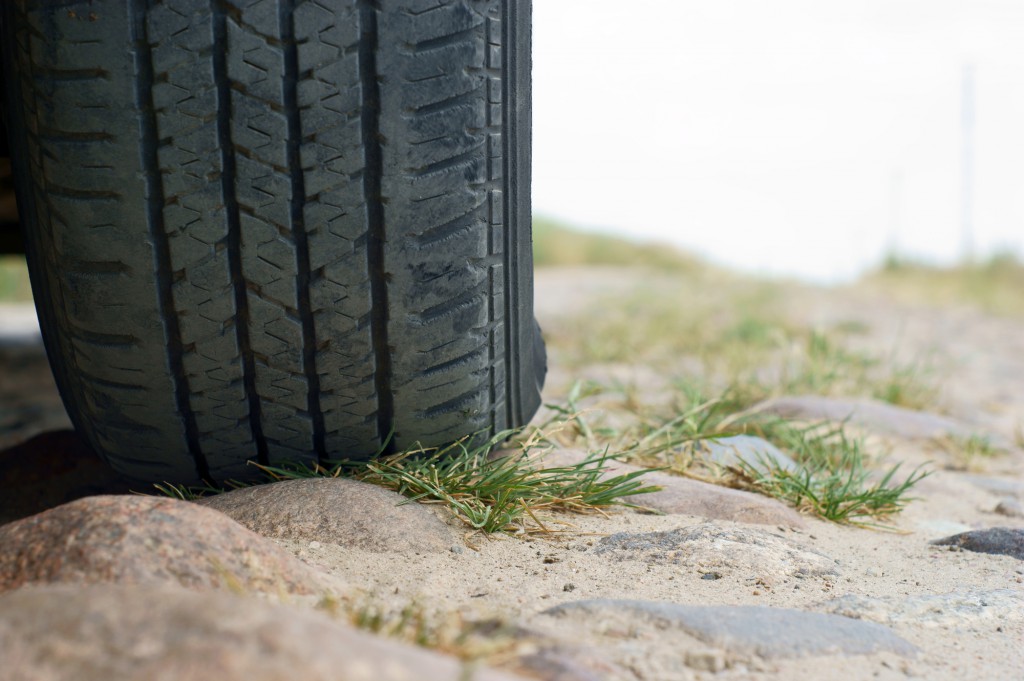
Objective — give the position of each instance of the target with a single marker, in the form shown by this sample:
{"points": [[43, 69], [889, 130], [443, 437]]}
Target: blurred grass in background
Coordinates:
{"points": [[14, 285], [995, 285], [555, 244]]}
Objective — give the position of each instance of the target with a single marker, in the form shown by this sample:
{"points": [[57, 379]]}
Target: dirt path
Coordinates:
{"points": [[918, 610]]}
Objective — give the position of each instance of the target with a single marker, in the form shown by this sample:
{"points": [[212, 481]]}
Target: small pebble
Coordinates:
{"points": [[457, 549], [705, 660], [569, 586], [314, 544], [711, 576], [1011, 508]]}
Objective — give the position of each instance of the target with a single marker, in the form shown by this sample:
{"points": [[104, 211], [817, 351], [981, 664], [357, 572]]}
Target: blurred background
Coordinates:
{"points": [[794, 138]]}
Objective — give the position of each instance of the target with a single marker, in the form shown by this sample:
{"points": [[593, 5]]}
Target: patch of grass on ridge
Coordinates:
{"points": [[489, 640], [736, 332], [555, 244], [992, 285], [14, 283], [834, 480], [492, 492]]}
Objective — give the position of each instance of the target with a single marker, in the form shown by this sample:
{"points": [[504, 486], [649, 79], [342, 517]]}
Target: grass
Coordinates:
{"points": [[738, 333], [14, 284], [970, 452], [502, 492], [834, 479], [734, 340], [473, 641], [555, 244], [992, 285]]}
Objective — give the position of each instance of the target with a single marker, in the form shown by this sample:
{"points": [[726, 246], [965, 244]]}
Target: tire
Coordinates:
{"points": [[277, 230]]}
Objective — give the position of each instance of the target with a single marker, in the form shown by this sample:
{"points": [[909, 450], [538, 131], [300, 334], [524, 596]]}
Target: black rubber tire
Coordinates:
{"points": [[277, 230]]}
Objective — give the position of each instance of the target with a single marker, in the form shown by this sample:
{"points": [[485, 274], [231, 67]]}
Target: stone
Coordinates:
{"points": [[878, 417], [337, 511], [679, 495], [721, 551], [161, 633], [145, 540], [685, 496], [557, 664], [1001, 486], [754, 451], [1004, 541], [1009, 507], [958, 608], [768, 633]]}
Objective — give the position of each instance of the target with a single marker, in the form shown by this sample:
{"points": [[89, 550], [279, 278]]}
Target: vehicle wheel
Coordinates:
{"points": [[277, 230]]}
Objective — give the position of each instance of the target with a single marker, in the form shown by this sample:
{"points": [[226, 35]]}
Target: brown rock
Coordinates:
{"points": [[691, 497], [146, 540], [161, 633], [337, 511]]}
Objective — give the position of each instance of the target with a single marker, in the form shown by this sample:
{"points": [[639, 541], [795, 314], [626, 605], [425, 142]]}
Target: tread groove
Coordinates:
{"points": [[455, 38], [510, 144], [301, 238], [372, 189], [228, 176], [154, 203]]}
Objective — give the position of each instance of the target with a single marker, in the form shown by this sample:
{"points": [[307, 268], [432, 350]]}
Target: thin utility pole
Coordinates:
{"points": [[967, 165]]}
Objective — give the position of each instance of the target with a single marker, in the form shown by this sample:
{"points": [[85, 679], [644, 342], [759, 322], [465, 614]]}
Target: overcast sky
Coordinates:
{"points": [[798, 137]]}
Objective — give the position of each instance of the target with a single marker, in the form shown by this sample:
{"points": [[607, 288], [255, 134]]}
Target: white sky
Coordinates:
{"points": [[796, 137]]}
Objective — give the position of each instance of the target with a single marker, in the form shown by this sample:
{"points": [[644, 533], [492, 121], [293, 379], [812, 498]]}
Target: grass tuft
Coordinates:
{"points": [[970, 452], [992, 285], [491, 641], [14, 283], [500, 492], [834, 479], [555, 244]]}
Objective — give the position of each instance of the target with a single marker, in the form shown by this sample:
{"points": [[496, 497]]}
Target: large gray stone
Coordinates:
{"points": [[878, 417], [769, 633], [337, 511], [145, 540], [147, 633], [711, 549], [753, 451], [1004, 541], [1001, 486], [959, 608], [685, 496]]}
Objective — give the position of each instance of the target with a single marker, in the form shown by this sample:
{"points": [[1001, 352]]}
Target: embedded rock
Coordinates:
{"points": [[145, 540], [959, 608], [768, 633], [1005, 541], [685, 496], [711, 549], [879, 417], [1009, 507], [337, 511], [161, 633], [753, 451]]}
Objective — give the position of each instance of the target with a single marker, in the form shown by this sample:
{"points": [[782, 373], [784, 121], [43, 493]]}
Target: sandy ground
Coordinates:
{"points": [[516, 578]]}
